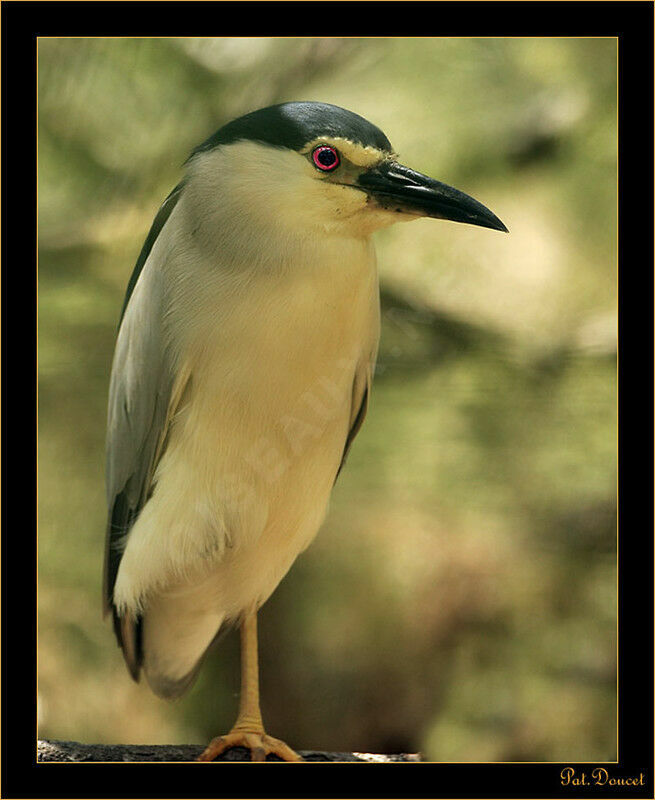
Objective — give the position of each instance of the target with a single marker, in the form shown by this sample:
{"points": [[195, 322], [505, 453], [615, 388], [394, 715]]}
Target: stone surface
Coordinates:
{"points": [[77, 752]]}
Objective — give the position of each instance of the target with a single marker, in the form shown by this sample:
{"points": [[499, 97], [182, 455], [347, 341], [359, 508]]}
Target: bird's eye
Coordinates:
{"points": [[325, 158]]}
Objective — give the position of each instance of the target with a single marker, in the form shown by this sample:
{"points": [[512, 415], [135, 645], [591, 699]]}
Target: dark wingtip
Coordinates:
{"points": [[128, 635]]}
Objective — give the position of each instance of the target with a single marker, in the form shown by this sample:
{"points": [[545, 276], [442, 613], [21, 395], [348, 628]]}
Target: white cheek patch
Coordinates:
{"points": [[358, 154]]}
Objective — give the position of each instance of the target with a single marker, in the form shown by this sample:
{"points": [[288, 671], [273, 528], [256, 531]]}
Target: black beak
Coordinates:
{"points": [[399, 188]]}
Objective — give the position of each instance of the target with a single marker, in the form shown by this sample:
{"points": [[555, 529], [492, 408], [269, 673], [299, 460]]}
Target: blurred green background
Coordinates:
{"points": [[460, 599]]}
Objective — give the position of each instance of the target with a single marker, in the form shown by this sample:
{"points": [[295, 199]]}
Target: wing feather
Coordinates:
{"points": [[360, 403], [143, 396]]}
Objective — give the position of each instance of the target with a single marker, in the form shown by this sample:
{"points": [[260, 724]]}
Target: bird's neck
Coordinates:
{"points": [[242, 242]]}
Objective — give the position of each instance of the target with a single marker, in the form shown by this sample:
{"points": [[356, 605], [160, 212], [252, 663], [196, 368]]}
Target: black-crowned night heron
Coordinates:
{"points": [[241, 376]]}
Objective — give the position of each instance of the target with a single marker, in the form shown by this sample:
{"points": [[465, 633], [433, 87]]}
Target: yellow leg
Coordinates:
{"points": [[248, 730]]}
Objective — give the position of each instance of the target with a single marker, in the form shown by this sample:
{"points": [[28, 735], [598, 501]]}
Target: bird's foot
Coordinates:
{"points": [[259, 743]]}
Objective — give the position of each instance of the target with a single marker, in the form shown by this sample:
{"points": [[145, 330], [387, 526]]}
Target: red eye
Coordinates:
{"points": [[325, 158]]}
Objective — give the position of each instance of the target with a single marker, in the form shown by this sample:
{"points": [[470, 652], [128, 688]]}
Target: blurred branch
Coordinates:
{"points": [[460, 333], [418, 336], [319, 57]]}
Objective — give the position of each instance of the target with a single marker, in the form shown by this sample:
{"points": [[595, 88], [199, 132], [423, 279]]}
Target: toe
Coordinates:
{"points": [[213, 749], [259, 744], [258, 754], [281, 749]]}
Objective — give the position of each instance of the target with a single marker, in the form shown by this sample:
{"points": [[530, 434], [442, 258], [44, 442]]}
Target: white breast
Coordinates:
{"points": [[275, 360]]}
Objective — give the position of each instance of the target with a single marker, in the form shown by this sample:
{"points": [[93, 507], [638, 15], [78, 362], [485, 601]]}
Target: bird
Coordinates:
{"points": [[241, 375]]}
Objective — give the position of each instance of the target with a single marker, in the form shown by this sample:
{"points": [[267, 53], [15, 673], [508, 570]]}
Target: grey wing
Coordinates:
{"points": [[139, 398], [139, 412]]}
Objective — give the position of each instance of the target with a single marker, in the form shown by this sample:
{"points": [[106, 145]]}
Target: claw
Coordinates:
{"points": [[258, 754], [258, 742], [213, 749]]}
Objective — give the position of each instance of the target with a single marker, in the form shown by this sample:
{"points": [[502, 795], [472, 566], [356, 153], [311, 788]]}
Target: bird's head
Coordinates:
{"points": [[312, 166]]}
